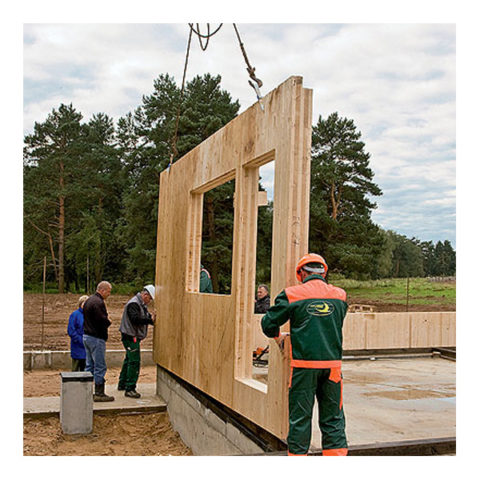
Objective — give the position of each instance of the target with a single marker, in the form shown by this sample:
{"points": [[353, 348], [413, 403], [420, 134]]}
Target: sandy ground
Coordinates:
{"points": [[46, 383], [59, 307], [147, 434]]}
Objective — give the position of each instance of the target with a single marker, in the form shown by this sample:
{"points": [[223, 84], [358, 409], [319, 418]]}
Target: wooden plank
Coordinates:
{"points": [[423, 447]]}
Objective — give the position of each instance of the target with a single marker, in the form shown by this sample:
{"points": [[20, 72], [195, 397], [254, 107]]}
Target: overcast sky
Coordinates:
{"points": [[396, 81]]}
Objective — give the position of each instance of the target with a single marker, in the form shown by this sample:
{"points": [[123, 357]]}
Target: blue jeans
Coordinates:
{"points": [[96, 365]]}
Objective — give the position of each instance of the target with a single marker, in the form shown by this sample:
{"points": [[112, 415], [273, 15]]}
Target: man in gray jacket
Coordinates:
{"points": [[134, 325]]}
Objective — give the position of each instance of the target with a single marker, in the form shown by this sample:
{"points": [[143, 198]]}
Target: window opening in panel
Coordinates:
{"points": [[263, 270], [217, 239]]}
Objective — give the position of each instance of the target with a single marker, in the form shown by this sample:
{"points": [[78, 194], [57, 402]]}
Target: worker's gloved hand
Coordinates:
{"points": [[281, 341]]}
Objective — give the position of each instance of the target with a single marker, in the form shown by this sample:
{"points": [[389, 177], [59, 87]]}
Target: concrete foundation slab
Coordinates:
{"points": [[396, 400], [393, 400]]}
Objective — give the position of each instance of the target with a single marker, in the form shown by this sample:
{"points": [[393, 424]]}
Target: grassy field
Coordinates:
{"points": [[387, 295], [421, 291]]}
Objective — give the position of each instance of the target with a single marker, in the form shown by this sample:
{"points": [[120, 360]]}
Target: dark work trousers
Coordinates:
{"points": [[131, 364], [326, 385], [78, 364]]}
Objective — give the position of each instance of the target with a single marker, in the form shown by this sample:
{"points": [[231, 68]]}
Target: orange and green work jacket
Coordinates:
{"points": [[316, 311]]}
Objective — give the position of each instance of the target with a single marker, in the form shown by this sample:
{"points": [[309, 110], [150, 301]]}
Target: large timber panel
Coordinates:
{"points": [[206, 339]]}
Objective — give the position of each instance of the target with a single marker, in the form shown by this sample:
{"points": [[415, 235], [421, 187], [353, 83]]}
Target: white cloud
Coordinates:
{"points": [[396, 81]]}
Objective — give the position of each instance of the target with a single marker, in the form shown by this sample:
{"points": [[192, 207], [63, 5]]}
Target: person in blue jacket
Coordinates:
{"points": [[75, 330]]}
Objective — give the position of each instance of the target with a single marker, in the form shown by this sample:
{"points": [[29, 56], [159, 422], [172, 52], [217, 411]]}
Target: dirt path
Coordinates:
{"points": [[400, 307], [46, 383], [147, 434]]}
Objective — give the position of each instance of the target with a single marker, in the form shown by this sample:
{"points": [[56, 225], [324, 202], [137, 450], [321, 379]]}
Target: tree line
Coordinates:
{"points": [[91, 195]]}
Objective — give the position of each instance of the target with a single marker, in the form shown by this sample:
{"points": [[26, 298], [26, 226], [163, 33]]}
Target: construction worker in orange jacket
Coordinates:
{"points": [[316, 311]]}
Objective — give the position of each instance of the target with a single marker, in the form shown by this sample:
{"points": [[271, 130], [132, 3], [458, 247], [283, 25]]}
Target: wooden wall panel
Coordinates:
{"points": [[388, 330], [426, 329], [433, 329], [449, 334], [206, 339], [366, 330], [354, 332], [258, 338], [399, 330]]}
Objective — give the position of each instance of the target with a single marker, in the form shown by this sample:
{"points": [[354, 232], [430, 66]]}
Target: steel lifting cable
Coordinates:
{"points": [[207, 36], [174, 150], [250, 69], [255, 82]]}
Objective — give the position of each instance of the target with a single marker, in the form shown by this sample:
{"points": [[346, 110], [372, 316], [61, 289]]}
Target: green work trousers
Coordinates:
{"points": [[131, 365], [326, 385]]}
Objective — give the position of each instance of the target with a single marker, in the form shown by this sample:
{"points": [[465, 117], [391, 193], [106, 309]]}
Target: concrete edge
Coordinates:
{"points": [[203, 430], [50, 359]]}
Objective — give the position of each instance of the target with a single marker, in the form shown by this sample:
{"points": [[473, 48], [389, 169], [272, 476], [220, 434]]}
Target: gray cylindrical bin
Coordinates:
{"points": [[76, 403]]}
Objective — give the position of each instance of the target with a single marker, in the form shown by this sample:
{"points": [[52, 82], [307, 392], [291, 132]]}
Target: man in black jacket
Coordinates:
{"points": [[134, 326], [95, 335], [262, 303]]}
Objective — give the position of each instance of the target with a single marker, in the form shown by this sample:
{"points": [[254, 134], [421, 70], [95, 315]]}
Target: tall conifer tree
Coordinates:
{"points": [[341, 190], [52, 163]]}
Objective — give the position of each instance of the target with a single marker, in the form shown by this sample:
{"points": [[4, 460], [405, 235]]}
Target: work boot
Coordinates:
{"points": [[132, 394], [100, 396]]}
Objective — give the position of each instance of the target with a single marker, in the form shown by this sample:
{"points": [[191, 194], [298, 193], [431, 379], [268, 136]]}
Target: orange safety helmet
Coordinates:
{"points": [[310, 258]]}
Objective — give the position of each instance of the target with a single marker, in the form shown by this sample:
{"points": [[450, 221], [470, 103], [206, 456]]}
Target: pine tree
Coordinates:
{"points": [[340, 207], [428, 253], [407, 256], [264, 243], [451, 259], [52, 163], [206, 109], [146, 140], [217, 235], [98, 213], [444, 259]]}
